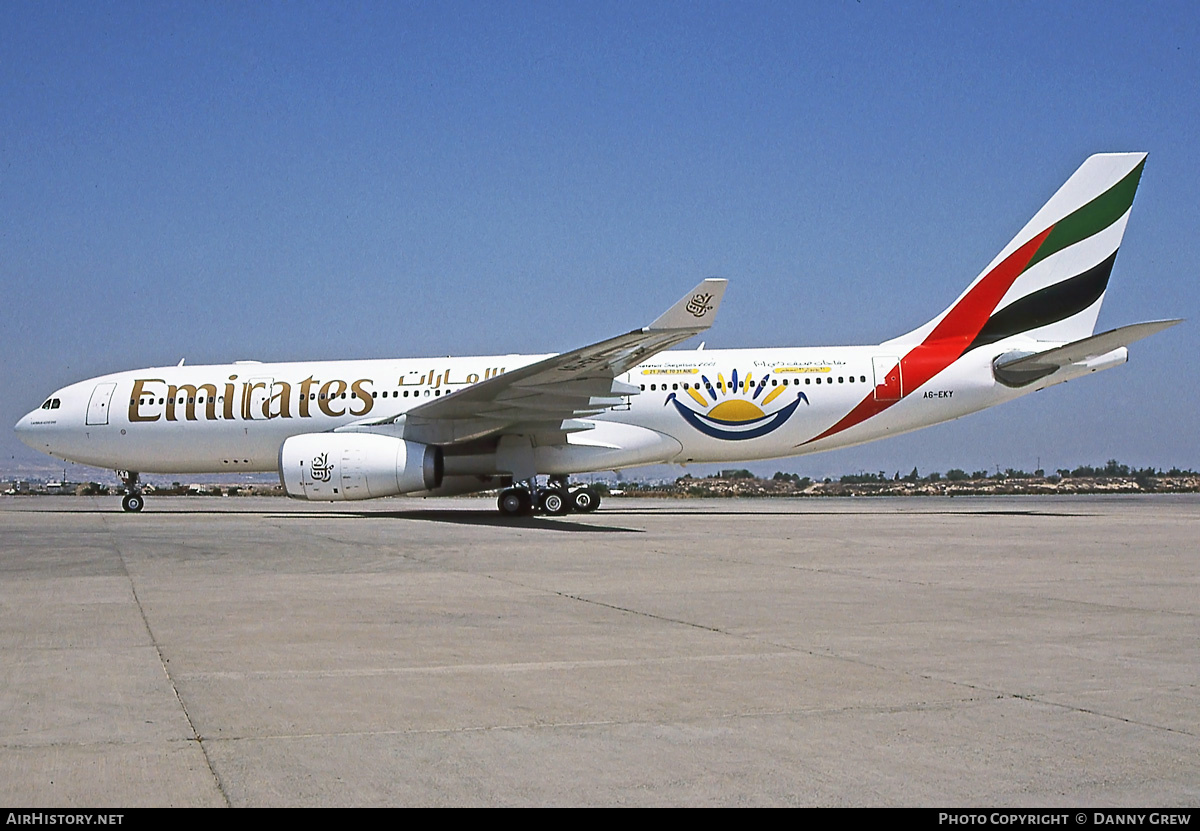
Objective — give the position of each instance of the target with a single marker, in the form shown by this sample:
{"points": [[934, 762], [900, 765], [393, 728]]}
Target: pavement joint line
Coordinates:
{"points": [[527, 666], [163, 664], [839, 572], [826, 654], [920, 706], [1034, 699]]}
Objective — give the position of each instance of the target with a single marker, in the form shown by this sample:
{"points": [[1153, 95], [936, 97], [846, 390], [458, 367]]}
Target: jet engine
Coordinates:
{"points": [[331, 467]]}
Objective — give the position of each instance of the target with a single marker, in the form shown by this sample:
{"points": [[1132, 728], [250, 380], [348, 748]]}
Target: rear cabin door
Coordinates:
{"points": [[889, 385]]}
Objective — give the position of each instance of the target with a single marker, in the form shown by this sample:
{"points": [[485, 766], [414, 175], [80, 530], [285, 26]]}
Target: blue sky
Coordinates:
{"points": [[220, 181]]}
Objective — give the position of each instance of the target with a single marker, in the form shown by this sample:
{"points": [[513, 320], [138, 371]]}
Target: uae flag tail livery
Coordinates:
{"points": [[1044, 288]]}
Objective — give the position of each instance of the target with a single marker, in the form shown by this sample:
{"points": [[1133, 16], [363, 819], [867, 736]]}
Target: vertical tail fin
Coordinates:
{"points": [[1049, 282]]}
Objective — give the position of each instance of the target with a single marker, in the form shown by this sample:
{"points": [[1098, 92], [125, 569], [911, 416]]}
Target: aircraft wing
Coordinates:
{"points": [[548, 395], [1019, 369]]}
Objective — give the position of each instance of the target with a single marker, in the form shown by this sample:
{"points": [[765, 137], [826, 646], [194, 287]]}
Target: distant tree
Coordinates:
{"points": [[956, 474], [862, 478], [1114, 468]]}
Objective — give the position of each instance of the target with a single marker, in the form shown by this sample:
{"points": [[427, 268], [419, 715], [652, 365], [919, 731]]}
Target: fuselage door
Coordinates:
{"points": [[97, 411], [889, 385], [258, 396]]}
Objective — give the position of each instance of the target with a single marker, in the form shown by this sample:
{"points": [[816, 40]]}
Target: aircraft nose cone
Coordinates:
{"points": [[24, 430]]}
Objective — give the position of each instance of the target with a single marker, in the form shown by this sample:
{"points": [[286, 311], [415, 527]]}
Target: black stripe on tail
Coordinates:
{"points": [[1049, 305]]}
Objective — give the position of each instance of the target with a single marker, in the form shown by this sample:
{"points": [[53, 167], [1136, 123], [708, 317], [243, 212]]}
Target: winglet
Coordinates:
{"points": [[696, 310]]}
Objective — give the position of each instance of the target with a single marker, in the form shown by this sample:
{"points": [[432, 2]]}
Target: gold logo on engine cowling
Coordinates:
{"points": [[321, 469]]}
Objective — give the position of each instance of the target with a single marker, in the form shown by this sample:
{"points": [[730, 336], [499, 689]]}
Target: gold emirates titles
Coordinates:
{"points": [[147, 400]]}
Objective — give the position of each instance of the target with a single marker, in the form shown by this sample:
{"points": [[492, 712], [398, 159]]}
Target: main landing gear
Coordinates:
{"points": [[134, 501], [556, 499]]}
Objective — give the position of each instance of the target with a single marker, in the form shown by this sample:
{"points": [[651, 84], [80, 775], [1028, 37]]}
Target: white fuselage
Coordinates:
{"points": [[204, 419]]}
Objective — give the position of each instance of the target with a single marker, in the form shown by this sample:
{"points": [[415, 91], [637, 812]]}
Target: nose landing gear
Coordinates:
{"points": [[133, 501]]}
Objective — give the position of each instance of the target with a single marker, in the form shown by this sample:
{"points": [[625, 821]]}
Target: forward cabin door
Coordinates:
{"points": [[97, 411], [256, 402], [889, 385]]}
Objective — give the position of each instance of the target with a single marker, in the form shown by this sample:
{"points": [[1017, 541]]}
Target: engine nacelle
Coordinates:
{"points": [[330, 467]]}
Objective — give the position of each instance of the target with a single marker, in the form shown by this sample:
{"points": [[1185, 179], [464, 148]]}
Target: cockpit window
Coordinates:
{"points": [[54, 402], [46, 406]]}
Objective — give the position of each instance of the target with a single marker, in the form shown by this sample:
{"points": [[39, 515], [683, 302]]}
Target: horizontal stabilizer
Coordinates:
{"points": [[1017, 369]]}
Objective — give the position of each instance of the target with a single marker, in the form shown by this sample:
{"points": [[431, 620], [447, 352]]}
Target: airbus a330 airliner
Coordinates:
{"points": [[349, 430]]}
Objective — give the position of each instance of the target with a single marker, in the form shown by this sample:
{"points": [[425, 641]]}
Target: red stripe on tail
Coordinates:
{"points": [[951, 336]]}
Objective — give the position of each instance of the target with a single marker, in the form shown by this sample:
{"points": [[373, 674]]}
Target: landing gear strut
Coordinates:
{"points": [[556, 499], [133, 501]]}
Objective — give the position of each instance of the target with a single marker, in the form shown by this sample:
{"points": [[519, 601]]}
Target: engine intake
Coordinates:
{"points": [[331, 467]]}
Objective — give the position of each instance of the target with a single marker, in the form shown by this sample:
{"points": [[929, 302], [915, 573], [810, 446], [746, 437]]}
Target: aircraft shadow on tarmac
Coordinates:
{"points": [[488, 518]]}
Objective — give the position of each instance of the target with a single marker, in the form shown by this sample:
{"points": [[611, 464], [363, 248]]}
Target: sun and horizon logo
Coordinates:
{"points": [[732, 410]]}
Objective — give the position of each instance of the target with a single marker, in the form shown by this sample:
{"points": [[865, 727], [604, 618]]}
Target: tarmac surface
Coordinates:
{"points": [[977, 652]]}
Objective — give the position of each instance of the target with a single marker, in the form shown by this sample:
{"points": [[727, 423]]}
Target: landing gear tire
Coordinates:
{"points": [[515, 502], [133, 502], [554, 502], [584, 500]]}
